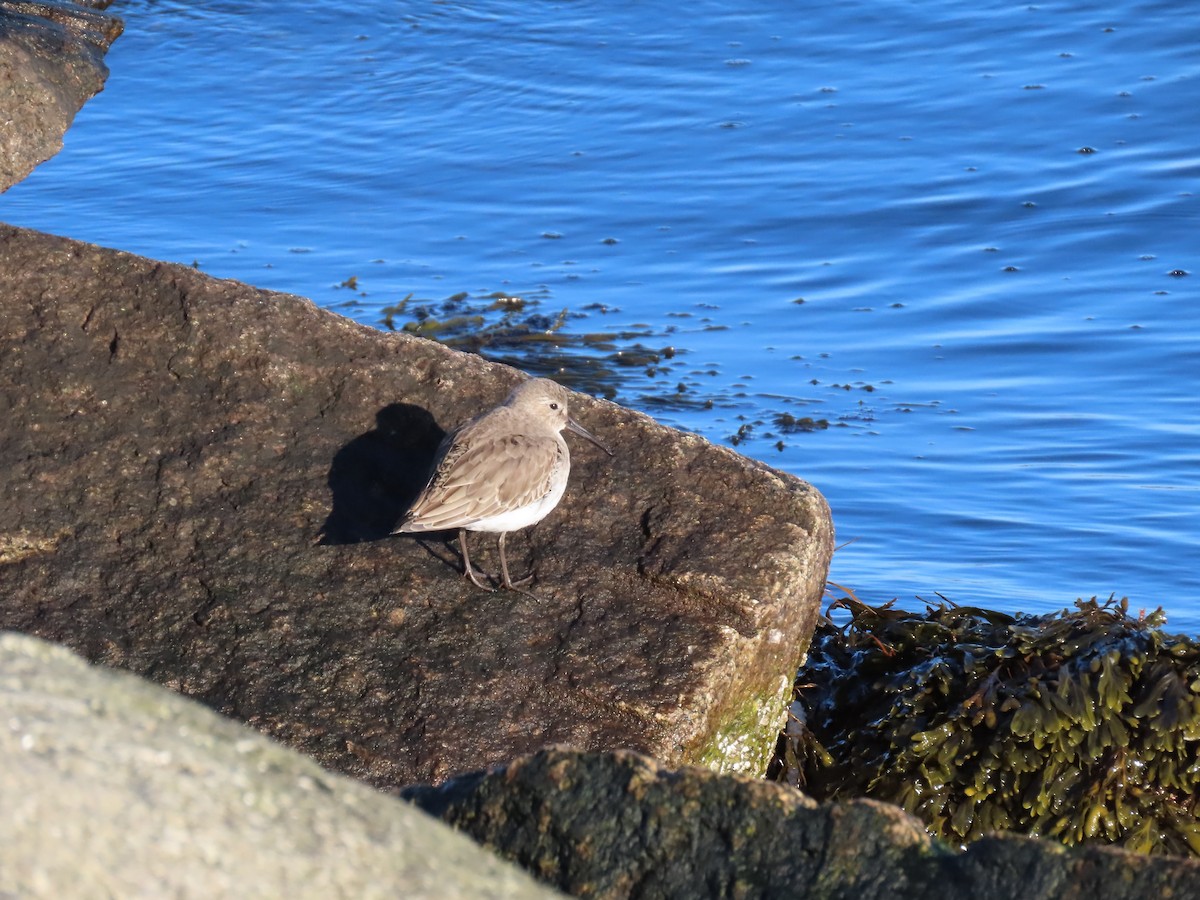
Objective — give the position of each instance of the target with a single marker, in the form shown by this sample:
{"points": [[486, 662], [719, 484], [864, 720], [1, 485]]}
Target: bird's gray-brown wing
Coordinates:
{"points": [[481, 475]]}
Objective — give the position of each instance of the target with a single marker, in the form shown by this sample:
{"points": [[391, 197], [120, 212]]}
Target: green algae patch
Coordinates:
{"points": [[1082, 726], [746, 738]]}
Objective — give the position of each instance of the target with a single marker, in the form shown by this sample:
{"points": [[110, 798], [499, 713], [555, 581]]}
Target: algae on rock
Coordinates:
{"points": [[1083, 725]]}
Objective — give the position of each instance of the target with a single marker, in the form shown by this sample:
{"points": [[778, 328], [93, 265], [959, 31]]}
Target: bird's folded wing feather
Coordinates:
{"points": [[477, 479]]}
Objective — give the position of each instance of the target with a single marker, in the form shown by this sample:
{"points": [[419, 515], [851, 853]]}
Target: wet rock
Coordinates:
{"points": [[616, 825], [174, 445], [51, 63], [117, 785], [621, 825]]}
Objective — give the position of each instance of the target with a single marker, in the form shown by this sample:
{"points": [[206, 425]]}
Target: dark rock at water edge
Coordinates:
{"points": [[616, 825], [175, 444], [51, 63], [117, 788]]}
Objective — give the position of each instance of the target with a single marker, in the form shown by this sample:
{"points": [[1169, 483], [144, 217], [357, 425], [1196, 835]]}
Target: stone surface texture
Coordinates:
{"points": [[51, 63], [199, 479], [114, 787], [617, 825]]}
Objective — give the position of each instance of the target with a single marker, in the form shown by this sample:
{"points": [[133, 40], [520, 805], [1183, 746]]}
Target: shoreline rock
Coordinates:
{"points": [[51, 63], [616, 825], [116, 787], [175, 443]]}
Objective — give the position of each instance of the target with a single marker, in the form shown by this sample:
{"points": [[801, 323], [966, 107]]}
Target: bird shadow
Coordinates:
{"points": [[376, 476]]}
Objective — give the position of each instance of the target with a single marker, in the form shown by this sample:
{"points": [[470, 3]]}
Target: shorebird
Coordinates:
{"points": [[500, 471]]}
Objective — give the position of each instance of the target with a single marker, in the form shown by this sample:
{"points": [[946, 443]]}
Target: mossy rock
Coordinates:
{"points": [[1082, 726]]}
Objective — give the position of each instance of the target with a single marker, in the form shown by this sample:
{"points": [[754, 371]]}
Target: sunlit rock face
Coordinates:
{"points": [[51, 63], [201, 479]]}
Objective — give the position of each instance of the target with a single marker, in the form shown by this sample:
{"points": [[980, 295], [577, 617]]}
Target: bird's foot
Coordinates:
{"points": [[509, 585], [470, 573]]}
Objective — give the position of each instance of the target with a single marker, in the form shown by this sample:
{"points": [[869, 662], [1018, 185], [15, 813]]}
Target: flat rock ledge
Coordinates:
{"points": [[199, 479], [618, 825], [51, 63], [117, 788]]}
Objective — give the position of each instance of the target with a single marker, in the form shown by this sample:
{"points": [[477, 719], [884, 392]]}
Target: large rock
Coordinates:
{"points": [[116, 788], [174, 444], [617, 825], [51, 63]]}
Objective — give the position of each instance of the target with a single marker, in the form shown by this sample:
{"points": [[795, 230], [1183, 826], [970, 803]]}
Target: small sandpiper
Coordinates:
{"points": [[501, 471]]}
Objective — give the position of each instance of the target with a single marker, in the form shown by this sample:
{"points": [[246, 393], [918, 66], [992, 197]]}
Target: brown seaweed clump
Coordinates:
{"points": [[1083, 725], [514, 331]]}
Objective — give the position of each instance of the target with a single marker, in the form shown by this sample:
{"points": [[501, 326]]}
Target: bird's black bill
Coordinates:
{"points": [[574, 426]]}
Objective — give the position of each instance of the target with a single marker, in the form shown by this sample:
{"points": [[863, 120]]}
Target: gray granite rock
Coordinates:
{"points": [[199, 479], [51, 63], [114, 787], [619, 825]]}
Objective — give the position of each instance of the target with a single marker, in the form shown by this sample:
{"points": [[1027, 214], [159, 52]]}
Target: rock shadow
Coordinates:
{"points": [[376, 476]]}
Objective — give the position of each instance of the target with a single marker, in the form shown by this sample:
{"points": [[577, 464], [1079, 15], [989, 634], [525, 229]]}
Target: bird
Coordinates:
{"points": [[499, 472]]}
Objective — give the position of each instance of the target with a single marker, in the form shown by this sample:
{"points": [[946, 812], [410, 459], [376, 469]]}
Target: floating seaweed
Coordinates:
{"points": [[1082, 726], [645, 366], [789, 424], [512, 330]]}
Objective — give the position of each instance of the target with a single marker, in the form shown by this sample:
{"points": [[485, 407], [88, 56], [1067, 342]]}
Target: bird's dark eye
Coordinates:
{"points": [[554, 406]]}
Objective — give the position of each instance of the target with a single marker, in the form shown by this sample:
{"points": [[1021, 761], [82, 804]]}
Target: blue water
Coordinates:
{"points": [[990, 212]]}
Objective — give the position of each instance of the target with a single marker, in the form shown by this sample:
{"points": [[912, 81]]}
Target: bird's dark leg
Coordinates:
{"points": [[508, 582], [467, 570]]}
